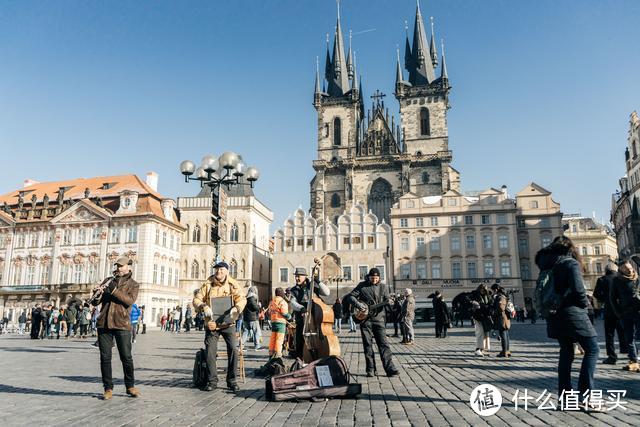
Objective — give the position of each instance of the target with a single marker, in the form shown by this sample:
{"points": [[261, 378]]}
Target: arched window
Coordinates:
{"points": [[335, 200], [425, 177], [380, 199], [337, 131], [195, 270], [233, 269], [233, 237], [196, 234], [244, 232], [425, 126]]}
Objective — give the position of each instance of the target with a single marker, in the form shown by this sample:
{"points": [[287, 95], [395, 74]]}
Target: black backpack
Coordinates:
{"points": [[274, 366], [200, 375]]}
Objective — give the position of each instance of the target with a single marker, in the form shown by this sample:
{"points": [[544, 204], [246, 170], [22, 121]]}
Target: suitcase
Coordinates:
{"points": [[323, 378], [200, 374]]}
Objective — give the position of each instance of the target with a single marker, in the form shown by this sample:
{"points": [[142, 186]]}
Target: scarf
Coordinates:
{"points": [[633, 276]]}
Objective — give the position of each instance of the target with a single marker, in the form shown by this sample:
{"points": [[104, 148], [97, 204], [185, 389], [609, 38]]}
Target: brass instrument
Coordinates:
{"points": [[99, 291]]}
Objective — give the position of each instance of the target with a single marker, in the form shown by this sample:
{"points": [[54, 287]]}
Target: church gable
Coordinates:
{"points": [[82, 211], [379, 138]]}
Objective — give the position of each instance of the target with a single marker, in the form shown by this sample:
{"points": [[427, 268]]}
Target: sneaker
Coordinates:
{"points": [[107, 395], [479, 353], [209, 387], [133, 392], [393, 373], [609, 361]]}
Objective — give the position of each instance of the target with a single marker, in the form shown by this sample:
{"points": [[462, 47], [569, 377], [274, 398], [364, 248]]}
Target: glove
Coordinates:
{"points": [[234, 314], [207, 312]]}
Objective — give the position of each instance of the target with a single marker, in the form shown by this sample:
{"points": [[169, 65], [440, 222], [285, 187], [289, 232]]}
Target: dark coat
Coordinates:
{"points": [[501, 319], [571, 319], [251, 310], [602, 293], [116, 304], [337, 310], [624, 297], [369, 294], [440, 310]]}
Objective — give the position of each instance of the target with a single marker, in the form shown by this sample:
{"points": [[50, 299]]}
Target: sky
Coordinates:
{"points": [[542, 89]]}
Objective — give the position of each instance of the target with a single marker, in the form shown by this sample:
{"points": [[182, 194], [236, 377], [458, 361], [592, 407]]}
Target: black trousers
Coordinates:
{"points": [[299, 341], [441, 328], [105, 343], [612, 325], [211, 343], [395, 328], [371, 330]]}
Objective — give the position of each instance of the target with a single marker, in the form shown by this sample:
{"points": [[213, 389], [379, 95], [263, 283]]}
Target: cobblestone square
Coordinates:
{"points": [[57, 382]]}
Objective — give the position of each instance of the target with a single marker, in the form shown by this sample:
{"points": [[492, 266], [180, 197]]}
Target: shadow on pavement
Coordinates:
{"points": [[32, 350], [24, 390]]}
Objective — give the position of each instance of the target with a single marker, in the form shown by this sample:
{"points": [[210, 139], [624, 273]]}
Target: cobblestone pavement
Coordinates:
{"points": [[58, 383]]}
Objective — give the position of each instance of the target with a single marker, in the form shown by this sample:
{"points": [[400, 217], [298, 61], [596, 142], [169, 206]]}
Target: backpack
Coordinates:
{"points": [[87, 315], [274, 366], [200, 374], [547, 300]]}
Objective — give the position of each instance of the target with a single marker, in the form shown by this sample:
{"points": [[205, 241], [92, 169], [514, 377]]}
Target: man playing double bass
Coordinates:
{"points": [[368, 293], [299, 302]]}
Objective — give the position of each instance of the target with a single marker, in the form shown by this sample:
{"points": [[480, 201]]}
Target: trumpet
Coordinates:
{"points": [[99, 291]]}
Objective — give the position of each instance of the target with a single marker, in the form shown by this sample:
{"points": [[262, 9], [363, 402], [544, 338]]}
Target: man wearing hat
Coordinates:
{"points": [[220, 284], [119, 294], [369, 292], [299, 300]]}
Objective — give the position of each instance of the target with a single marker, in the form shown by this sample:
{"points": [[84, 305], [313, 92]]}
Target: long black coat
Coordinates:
{"points": [[571, 320], [441, 311]]}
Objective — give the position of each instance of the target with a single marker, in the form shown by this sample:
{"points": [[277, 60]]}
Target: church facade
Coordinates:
{"points": [[367, 158]]}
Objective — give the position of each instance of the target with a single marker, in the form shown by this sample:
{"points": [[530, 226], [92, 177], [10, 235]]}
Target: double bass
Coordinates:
{"points": [[319, 339]]}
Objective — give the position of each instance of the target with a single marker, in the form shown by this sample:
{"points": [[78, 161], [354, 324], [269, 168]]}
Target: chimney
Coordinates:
{"points": [[504, 191], [29, 182], [152, 180]]}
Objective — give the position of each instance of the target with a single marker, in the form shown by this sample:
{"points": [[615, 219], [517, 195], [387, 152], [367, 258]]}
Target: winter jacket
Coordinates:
{"points": [[501, 318], [116, 303], [624, 297], [83, 320], [602, 293], [440, 310], [369, 294], [571, 319], [211, 288], [408, 311], [251, 310], [300, 297], [337, 310], [135, 313], [70, 315]]}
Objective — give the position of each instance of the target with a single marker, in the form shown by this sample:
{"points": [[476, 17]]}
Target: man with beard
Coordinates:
{"points": [[220, 285]]}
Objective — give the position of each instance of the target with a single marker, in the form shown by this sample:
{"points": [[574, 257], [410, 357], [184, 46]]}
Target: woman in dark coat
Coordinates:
{"points": [[501, 319], [442, 315], [570, 324], [481, 313]]}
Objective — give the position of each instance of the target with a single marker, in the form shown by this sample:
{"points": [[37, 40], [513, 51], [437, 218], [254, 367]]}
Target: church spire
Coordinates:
{"points": [[408, 62], [432, 47], [444, 76], [318, 90], [350, 69], [339, 81], [399, 78], [421, 68]]}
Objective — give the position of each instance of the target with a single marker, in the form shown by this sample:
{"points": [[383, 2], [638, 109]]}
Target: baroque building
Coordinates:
{"points": [[59, 239], [367, 158], [244, 239], [596, 243], [454, 242]]}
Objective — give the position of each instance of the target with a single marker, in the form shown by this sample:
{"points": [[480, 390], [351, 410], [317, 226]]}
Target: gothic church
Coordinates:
{"points": [[367, 158]]}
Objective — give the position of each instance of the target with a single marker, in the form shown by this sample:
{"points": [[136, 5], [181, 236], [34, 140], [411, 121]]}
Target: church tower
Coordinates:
{"points": [[424, 101], [339, 107]]}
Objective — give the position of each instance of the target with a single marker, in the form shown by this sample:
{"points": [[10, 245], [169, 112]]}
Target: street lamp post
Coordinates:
{"points": [[214, 173]]}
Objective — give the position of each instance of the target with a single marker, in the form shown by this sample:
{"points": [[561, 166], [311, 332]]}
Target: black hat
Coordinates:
{"points": [[374, 272], [221, 264]]}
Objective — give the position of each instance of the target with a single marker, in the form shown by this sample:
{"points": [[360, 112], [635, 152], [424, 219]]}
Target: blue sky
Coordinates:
{"points": [[542, 90]]}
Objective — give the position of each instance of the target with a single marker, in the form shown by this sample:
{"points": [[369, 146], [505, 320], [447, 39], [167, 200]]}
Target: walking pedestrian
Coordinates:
{"points": [[501, 318], [251, 323], [36, 319], [337, 316], [570, 323], [22, 321], [84, 320], [407, 315], [625, 299], [612, 324], [188, 318], [70, 317], [481, 314], [396, 314], [441, 314]]}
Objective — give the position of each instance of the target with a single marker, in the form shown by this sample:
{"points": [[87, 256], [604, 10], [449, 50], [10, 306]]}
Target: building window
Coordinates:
{"points": [[77, 273], [170, 276], [425, 126], [405, 271], [470, 241], [233, 236], [45, 274], [404, 244], [434, 221], [115, 235], [195, 270], [162, 282], [597, 249], [337, 131], [48, 238], [155, 273], [425, 177], [434, 244], [370, 239], [335, 200], [175, 276], [65, 272], [583, 250], [546, 241], [485, 219], [522, 223], [132, 234], [233, 269], [197, 234], [525, 270], [404, 222], [420, 222], [487, 241], [545, 222], [363, 270], [82, 237], [503, 241], [533, 204], [468, 220], [346, 273], [172, 245], [66, 237], [92, 272], [472, 270], [455, 242], [523, 245], [574, 228], [488, 269], [453, 220], [435, 270], [501, 218], [382, 272], [452, 201], [345, 240], [505, 268], [598, 268], [33, 241], [421, 270], [456, 270], [31, 274], [158, 235], [420, 243]]}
